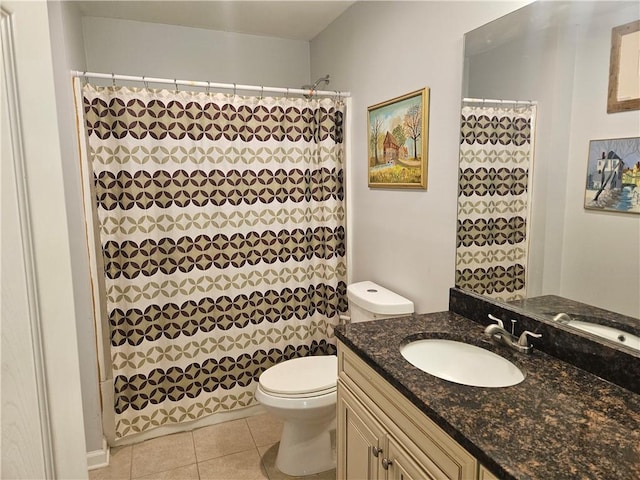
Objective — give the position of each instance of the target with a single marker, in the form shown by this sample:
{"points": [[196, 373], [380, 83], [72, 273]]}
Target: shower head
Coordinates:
{"points": [[314, 87]]}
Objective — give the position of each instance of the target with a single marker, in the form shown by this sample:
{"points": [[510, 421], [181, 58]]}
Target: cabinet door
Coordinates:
{"points": [[360, 440], [400, 466], [486, 474]]}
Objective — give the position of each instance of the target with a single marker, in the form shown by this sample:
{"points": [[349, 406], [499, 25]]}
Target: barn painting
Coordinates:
{"points": [[398, 138]]}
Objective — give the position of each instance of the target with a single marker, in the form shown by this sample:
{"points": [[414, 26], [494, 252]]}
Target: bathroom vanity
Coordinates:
{"points": [[396, 421], [384, 435]]}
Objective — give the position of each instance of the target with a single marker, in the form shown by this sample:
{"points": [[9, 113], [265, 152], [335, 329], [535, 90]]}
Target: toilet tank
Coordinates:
{"points": [[370, 301]]}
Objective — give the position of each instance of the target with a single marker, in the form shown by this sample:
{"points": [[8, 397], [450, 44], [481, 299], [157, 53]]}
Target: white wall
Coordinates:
{"points": [[601, 254], [67, 48], [169, 51], [401, 239]]}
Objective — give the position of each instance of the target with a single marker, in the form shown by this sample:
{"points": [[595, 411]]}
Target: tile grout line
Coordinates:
{"points": [[195, 453], [197, 462], [131, 462], [255, 445], [263, 464], [198, 469], [169, 469]]}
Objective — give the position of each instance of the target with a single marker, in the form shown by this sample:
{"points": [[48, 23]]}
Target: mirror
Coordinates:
{"points": [[557, 54]]}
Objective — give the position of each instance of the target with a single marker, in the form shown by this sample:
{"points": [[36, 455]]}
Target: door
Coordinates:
{"points": [[360, 440], [400, 466], [42, 428], [26, 443]]}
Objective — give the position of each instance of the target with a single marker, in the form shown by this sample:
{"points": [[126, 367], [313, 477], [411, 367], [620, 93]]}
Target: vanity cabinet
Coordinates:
{"points": [[383, 436], [370, 452]]}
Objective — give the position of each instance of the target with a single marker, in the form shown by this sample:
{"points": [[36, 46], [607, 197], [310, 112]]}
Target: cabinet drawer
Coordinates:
{"points": [[423, 439]]}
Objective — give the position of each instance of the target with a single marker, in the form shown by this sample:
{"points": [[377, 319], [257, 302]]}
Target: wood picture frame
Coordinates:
{"points": [[624, 78], [397, 143]]}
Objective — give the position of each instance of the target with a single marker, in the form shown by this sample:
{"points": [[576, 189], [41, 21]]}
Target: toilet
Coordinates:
{"points": [[370, 301], [302, 391]]}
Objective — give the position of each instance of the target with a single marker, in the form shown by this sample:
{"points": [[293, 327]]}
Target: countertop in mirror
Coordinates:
{"points": [[551, 305]]}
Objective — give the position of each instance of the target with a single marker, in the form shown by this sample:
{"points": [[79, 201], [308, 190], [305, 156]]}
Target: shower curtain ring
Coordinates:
{"points": [[175, 82], [234, 89], [113, 79], [146, 84], [261, 92], [287, 94], [208, 88]]}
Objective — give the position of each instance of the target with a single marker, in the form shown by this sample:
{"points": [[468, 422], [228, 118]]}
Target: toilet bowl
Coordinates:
{"points": [[302, 391]]}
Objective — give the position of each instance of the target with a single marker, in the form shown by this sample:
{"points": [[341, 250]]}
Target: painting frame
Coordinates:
{"points": [[623, 71], [398, 141], [613, 175]]}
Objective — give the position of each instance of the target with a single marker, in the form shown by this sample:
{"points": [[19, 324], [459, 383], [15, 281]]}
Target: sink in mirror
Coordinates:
{"points": [[608, 328], [614, 334], [598, 326], [461, 363]]}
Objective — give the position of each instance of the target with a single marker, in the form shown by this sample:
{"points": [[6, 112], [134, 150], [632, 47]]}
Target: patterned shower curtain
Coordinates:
{"points": [[221, 222], [496, 154]]}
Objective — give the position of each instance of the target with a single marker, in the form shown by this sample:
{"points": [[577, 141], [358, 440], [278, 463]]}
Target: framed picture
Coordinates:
{"points": [[613, 175], [624, 77], [397, 141]]}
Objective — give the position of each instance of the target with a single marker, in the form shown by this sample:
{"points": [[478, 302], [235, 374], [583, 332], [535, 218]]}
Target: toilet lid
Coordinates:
{"points": [[301, 376]]}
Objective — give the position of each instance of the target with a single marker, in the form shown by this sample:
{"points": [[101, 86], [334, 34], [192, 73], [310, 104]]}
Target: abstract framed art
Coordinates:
{"points": [[398, 140], [613, 175]]}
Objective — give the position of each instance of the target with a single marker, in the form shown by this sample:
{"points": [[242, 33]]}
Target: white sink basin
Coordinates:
{"points": [[461, 363], [610, 333]]}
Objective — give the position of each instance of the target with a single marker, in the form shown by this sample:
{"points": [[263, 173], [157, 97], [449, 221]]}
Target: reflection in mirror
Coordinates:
{"points": [[554, 55], [624, 75], [619, 330]]}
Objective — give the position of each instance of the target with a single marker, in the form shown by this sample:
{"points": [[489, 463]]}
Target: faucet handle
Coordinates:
{"points": [[522, 341], [496, 319]]}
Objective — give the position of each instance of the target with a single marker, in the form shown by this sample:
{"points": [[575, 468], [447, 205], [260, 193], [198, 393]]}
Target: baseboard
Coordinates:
{"points": [[98, 458]]}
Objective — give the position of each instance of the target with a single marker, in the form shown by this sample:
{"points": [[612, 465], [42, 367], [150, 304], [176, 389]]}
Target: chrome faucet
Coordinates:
{"points": [[562, 318], [497, 333]]}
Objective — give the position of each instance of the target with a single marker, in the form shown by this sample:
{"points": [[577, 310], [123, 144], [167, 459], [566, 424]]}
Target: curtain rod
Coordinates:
{"points": [[228, 86], [492, 100]]}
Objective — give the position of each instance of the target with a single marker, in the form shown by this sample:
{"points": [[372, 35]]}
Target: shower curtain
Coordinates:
{"points": [[496, 154], [221, 223]]}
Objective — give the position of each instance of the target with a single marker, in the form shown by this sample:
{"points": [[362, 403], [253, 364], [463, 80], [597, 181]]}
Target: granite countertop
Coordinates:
{"points": [[561, 422]]}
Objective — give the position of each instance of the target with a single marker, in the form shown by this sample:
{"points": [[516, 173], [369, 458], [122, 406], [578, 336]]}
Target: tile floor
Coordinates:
{"points": [[242, 449]]}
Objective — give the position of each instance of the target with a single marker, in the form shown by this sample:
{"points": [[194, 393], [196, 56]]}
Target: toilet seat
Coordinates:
{"points": [[302, 377]]}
